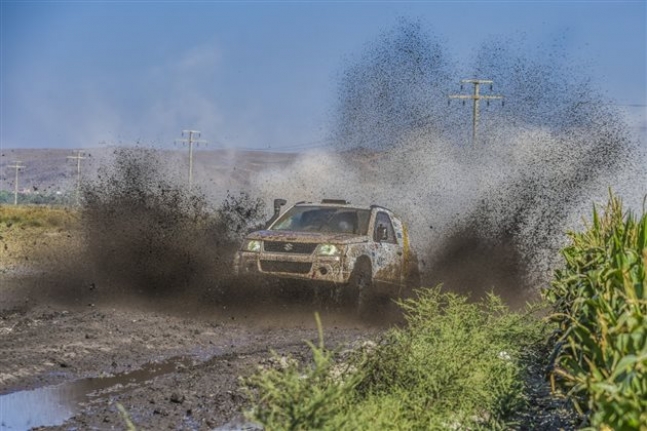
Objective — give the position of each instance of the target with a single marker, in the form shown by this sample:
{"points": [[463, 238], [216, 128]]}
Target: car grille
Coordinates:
{"points": [[289, 267], [289, 247]]}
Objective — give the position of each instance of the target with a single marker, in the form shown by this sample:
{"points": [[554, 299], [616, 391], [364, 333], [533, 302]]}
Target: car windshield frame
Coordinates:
{"points": [[324, 219]]}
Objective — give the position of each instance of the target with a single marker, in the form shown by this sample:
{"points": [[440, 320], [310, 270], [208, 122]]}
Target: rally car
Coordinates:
{"points": [[364, 250]]}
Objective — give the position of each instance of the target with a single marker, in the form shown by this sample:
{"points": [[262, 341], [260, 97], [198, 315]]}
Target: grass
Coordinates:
{"points": [[456, 365], [30, 233], [36, 216]]}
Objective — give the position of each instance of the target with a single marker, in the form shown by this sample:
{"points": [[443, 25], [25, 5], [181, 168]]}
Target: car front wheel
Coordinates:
{"points": [[362, 282]]}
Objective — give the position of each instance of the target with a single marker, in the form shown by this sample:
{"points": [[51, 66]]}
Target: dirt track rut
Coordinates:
{"points": [[172, 364]]}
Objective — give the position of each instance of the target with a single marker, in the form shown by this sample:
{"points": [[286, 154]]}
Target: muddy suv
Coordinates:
{"points": [[363, 251]]}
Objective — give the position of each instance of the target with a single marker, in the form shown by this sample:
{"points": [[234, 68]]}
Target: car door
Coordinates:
{"points": [[388, 250]]}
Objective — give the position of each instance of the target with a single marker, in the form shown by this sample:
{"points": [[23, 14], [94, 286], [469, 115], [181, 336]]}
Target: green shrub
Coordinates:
{"points": [[458, 361], [289, 398], [600, 303], [454, 366]]}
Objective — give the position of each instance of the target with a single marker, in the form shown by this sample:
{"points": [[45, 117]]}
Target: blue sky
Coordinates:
{"points": [[79, 74]]}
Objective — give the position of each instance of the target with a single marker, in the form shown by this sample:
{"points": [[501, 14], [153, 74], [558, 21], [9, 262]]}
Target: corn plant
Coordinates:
{"points": [[600, 305]]}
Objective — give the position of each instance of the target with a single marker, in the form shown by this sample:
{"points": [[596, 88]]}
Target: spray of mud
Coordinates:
{"points": [[481, 217], [151, 242], [145, 233], [486, 216]]}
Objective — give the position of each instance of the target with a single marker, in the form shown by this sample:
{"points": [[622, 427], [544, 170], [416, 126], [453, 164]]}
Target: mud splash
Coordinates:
{"points": [[483, 216], [148, 233]]}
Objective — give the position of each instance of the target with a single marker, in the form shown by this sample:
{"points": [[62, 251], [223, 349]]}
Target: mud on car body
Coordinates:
{"points": [[364, 250]]}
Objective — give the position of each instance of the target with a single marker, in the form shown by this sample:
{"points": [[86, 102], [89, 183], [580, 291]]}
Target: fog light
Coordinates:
{"points": [[323, 270]]}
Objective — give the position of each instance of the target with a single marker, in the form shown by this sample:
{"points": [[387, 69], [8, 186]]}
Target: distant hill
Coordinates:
{"points": [[49, 170]]}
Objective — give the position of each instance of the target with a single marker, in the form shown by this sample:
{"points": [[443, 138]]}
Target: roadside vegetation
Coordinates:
{"points": [[600, 303], [32, 234], [37, 216], [459, 364], [456, 364]]}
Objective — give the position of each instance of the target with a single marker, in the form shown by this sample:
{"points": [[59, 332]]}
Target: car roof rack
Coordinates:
{"points": [[335, 201], [380, 207]]}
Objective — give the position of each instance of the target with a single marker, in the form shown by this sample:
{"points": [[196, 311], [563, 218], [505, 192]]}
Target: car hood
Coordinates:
{"points": [[307, 237]]}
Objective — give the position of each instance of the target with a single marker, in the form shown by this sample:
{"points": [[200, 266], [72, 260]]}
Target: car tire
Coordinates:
{"points": [[412, 271], [413, 280], [362, 282]]}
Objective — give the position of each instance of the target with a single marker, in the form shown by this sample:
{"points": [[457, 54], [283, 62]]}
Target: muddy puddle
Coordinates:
{"points": [[53, 405]]}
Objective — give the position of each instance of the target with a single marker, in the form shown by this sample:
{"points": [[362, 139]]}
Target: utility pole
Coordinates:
{"points": [[476, 96], [78, 159], [17, 166], [190, 140]]}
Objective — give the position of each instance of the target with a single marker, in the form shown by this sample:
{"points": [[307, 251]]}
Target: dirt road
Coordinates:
{"points": [[69, 361], [94, 332]]}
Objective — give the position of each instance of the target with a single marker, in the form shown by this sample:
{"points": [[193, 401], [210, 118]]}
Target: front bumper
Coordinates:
{"points": [[301, 267]]}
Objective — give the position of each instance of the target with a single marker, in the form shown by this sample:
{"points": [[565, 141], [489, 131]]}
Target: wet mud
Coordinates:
{"points": [[171, 363]]}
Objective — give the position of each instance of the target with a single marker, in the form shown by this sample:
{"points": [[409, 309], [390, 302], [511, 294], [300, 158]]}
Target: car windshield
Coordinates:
{"points": [[324, 219]]}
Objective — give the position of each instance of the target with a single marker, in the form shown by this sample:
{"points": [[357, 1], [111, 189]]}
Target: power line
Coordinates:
{"points": [[476, 96], [17, 166], [190, 141], [78, 159], [294, 147], [288, 149]]}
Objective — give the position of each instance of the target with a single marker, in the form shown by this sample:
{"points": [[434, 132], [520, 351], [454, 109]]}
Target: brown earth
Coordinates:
{"points": [[79, 352], [72, 350]]}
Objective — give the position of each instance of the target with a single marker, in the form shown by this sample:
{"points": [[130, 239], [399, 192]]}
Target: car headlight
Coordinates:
{"points": [[327, 250], [252, 245]]}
